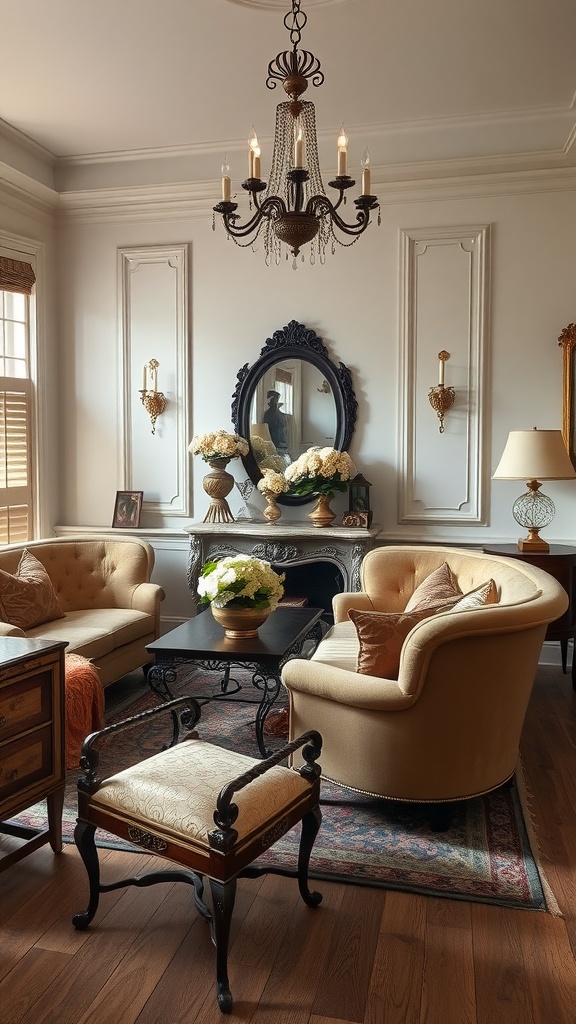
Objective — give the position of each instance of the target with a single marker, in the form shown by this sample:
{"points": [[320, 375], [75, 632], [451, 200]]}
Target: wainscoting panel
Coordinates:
{"points": [[444, 307], [153, 286]]}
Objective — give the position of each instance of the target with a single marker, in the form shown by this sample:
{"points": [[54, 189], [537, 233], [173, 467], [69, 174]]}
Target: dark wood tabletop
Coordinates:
{"points": [[203, 639]]}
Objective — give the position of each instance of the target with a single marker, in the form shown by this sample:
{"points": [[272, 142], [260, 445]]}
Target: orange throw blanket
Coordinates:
{"points": [[84, 704]]}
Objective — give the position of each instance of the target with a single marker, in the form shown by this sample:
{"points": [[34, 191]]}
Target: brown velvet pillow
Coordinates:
{"points": [[486, 593], [440, 585], [381, 635], [28, 599]]}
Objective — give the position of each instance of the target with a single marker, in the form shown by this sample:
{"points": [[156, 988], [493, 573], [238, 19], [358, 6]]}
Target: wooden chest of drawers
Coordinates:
{"points": [[32, 762]]}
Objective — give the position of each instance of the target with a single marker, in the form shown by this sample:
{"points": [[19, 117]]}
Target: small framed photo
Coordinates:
{"points": [[127, 509]]}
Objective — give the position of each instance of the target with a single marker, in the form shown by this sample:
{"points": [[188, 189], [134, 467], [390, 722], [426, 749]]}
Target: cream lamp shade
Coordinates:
{"points": [[534, 455]]}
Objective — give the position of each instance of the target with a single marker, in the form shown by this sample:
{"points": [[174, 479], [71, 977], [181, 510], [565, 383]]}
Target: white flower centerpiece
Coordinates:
{"points": [[242, 591], [217, 448], [271, 485], [320, 471]]}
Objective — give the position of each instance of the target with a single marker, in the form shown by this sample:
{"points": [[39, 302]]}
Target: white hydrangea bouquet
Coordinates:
{"points": [[240, 581], [273, 482], [218, 444], [320, 471]]}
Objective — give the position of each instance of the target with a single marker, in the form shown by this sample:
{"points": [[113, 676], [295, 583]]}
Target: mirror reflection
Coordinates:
{"points": [[292, 409]]}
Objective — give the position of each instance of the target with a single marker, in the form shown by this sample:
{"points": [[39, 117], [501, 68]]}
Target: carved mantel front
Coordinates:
{"points": [[284, 545]]}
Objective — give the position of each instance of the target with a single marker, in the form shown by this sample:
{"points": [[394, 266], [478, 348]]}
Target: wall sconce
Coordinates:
{"points": [[153, 400], [325, 389], [441, 398]]}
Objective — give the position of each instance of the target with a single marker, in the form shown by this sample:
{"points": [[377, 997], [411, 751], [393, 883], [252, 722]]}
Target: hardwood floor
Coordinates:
{"points": [[365, 956]]}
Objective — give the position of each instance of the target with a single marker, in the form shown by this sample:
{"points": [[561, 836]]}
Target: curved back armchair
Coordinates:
{"points": [[449, 726]]}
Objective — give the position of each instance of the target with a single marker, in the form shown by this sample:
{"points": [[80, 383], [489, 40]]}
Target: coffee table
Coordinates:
{"points": [[202, 641]]}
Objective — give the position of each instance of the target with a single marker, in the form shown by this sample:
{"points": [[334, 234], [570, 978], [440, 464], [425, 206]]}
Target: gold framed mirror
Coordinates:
{"points": [[567, 340]]}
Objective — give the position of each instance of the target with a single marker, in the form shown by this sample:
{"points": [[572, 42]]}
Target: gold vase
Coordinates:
{"points": [[322, 514], [218, 484], [240, 623], [272, 512]]}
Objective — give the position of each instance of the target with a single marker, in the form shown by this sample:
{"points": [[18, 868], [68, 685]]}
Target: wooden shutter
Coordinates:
{"points": [[15, 474]]}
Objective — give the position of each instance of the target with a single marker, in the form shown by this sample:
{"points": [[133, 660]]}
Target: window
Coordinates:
{"points": [[16, 497]]}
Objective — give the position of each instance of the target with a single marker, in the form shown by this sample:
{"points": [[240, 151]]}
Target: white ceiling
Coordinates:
{"points": [[420, 80]]}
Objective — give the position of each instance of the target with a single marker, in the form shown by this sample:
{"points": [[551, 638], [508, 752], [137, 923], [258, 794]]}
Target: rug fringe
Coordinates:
{"points": [[526, 799]]}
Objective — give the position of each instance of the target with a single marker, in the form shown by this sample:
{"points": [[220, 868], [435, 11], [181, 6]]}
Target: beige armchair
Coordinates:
{"points": [[449, 726]]}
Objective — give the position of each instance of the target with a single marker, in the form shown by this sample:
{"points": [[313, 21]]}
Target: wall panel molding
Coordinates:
{"points": [[444, 281], [154, 324]]}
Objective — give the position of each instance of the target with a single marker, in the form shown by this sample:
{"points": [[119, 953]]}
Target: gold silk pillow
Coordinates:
{"points": [[28, 599], [381, 635], [486, 593], [440, 585]]}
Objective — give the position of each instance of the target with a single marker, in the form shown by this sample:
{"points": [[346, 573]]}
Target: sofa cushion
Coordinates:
{"points": [[95, 632], [28, 599], [440, 585], [486, 593], [381, 635]]}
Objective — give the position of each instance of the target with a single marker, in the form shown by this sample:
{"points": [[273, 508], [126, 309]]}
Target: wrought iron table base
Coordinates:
{"points": [[265, 679]]}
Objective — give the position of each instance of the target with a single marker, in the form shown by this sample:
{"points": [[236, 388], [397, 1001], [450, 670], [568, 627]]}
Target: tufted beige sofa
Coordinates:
{"points": [[112, 610], [449, 727]]}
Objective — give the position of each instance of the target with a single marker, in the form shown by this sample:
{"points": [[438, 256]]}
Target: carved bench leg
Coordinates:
{"points": [[310, 825], [223, 896], [84, 839]]}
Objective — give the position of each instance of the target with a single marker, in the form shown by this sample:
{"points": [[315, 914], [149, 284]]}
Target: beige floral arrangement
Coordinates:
{"points": [[320, 471], [240, 581], [218, 444], [271, 481]]}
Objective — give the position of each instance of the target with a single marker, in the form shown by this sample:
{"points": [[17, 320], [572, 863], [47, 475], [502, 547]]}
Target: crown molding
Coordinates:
{"points": [[393, 185], [11, 134], [26, 195]]}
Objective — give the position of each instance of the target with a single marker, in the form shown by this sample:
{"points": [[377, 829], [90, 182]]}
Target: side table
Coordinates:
{"points": [[559, 562], [32, 716]]}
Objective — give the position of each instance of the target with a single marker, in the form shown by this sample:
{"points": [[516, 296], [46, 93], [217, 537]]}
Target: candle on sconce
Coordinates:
{"points": [[226, 184], [257, 170], [366, 176], [144, 377], [442, 357], [155, 379], [342, 152]]}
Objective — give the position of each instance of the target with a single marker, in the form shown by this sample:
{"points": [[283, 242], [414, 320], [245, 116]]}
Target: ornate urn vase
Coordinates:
{"points": [[272, 512], [322, 514], [240, 623], [218, 485]]}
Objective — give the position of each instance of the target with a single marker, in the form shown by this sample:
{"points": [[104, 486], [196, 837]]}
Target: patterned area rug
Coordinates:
{"points": [[487, 855]]}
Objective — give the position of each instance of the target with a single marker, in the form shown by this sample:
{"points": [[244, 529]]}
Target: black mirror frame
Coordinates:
{"points": [[297, 342]]}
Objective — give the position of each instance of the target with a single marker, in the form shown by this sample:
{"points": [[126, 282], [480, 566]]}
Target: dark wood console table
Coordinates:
{"points": [[559, 562], [32, 763]]}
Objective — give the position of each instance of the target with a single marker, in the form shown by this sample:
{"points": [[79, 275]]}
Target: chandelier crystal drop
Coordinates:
{"points": [[292, 208]]}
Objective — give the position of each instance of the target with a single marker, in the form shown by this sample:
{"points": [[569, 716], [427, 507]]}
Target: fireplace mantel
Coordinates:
{"points": [[283, 544]]}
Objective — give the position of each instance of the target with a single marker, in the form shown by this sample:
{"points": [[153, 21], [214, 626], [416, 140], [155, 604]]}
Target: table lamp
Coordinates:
{"points": [[534, 455]]}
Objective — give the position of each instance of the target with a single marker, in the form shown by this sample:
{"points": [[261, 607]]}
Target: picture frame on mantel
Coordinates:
{"points": [[127, 509], [567, 340]]}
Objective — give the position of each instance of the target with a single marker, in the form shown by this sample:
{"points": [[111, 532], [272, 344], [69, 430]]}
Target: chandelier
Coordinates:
{"points": [[292, 208]]}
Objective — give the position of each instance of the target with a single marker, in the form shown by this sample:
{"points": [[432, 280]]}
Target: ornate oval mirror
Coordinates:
{"points": [[291, 398]]}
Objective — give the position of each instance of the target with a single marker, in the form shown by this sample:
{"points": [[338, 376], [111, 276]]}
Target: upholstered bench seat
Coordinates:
{"points": [[179, 804], [175, 792]]}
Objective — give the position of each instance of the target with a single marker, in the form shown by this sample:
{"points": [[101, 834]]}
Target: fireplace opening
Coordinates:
{"points": [[317, 581]]}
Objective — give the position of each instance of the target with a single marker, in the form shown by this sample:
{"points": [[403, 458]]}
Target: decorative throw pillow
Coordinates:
{"points": [[486, 593], [28, 599], [440, 585], [381, 635]]}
